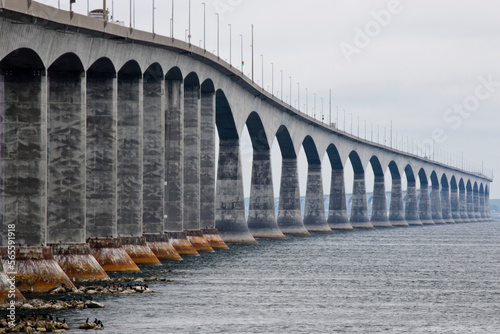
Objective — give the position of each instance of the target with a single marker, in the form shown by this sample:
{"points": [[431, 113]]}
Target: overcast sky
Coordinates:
{"points": [[413, 62]]}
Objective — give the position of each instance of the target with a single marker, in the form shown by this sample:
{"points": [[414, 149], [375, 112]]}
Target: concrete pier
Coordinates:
{"points": [[192, 115], [337, 209], [314, 211], [396, 208], [359, 205], [436, 210], [462, 201], [455, 205], [139, 251], [111, 255], [207, 158], [477, 209], [289, 212], [153, 150], [379, 206], [482, 208], [195, 237], [424, 205], [174, 152], [101, 151], [161, 247], [412, 207], [213, 238], [23, 157], [77, 262], [261, 214], [36, 270], [446, 204], [470, 205], [230, 207], [5, 288], [181, 243], [129, 163]]}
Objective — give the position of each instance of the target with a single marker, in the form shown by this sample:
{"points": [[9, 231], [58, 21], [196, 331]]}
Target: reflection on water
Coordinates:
{"points": [[432, 279]]}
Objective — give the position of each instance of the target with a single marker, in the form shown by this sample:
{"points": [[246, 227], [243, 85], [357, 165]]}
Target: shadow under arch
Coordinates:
{"points": [[411, 206], [289, 210], [22, 76], [436, 208], [359, 207], [66, 115], [424, 203], [446, 204], [379, 216], [396, 207], [314, 211], [153, 158], [470, 201], [230, 208], [455, 200], [475, 193]]}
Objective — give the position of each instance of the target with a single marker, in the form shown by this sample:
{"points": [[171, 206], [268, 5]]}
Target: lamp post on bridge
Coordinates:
{"points": [[272, 79], [218, 26], [290, 91], [204, 27], [230, 60], [242, 63]]}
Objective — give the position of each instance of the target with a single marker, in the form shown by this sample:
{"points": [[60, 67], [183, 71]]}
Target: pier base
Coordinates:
{"points": [[77, 262], [199, 243], [36, 270], [111, 255], [214, 239], [139, 251], [161, 247], [5, 288], [181, 244]]}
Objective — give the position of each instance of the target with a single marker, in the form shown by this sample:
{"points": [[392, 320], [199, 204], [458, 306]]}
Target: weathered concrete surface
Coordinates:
{"points": [[139, 251], [129, 163], [470, 206], [411, 208], [446, 205], [261, 213], [289, 213], [111, 255], [207, 160], [359, 205], [396, 210], [314, 211], [101, 155], [230, 207], [214, 239], [77, 262], [424, 205], [5, 288], [379, 207], [174, 155], [36, 270], [153, 151], [482, 209], [192, 136], [195, 237], [181, 243], [462, 199], [23, 158], [477, 209], [436, 210], [455, 205], [161, 247], [337, 209]]}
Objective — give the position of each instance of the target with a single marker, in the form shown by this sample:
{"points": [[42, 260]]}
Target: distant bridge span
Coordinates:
{"points": [[109, 131]]}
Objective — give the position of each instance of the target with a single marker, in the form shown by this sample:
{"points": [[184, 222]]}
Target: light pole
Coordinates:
{"points": [[351, 123], [153, 17], [130, 9], [344, 121], [307, 102], [322, 113], [172, 30], [204, 27], [189, 36], [252, 52], [298, 96], [217, 34], [262, 59], [272, 79], [314, 114], [281, 85], [290, 90], [230, 60]]}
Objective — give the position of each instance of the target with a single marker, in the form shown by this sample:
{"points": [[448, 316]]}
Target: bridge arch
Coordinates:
{"points": [[412, 215], [446, 204], [424, 203], [436, 209], [396, 207], [337, 208], [359, 207], [379, 216]]}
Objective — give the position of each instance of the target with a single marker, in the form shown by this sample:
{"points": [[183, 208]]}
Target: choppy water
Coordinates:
{"points": [[432, 279]]}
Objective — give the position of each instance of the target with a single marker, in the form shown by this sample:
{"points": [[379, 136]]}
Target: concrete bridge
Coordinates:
{"points": [[108, 131]]}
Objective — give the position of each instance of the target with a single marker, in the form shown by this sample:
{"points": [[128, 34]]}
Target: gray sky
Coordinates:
{"points": [[423, 64]]}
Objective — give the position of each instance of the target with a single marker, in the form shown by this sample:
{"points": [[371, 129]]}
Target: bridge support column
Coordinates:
{"points": [[23, 157], [139, 251], [379, 206], [436, 211], [475, 197], [411, 207], [470, 206], [66, 158], [5, 286], [455, 205], [230, 207], [396, 212], [261, 216], [487, 205], [101, 155], [161, 247], [174, 156], [359, 204], [482, 208], [192, 135], [207, 161], [153, 152], [462, 201], [314, 213], [289, 212], [424, 205], [130, 168], [446, 205], [337, 209]]}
